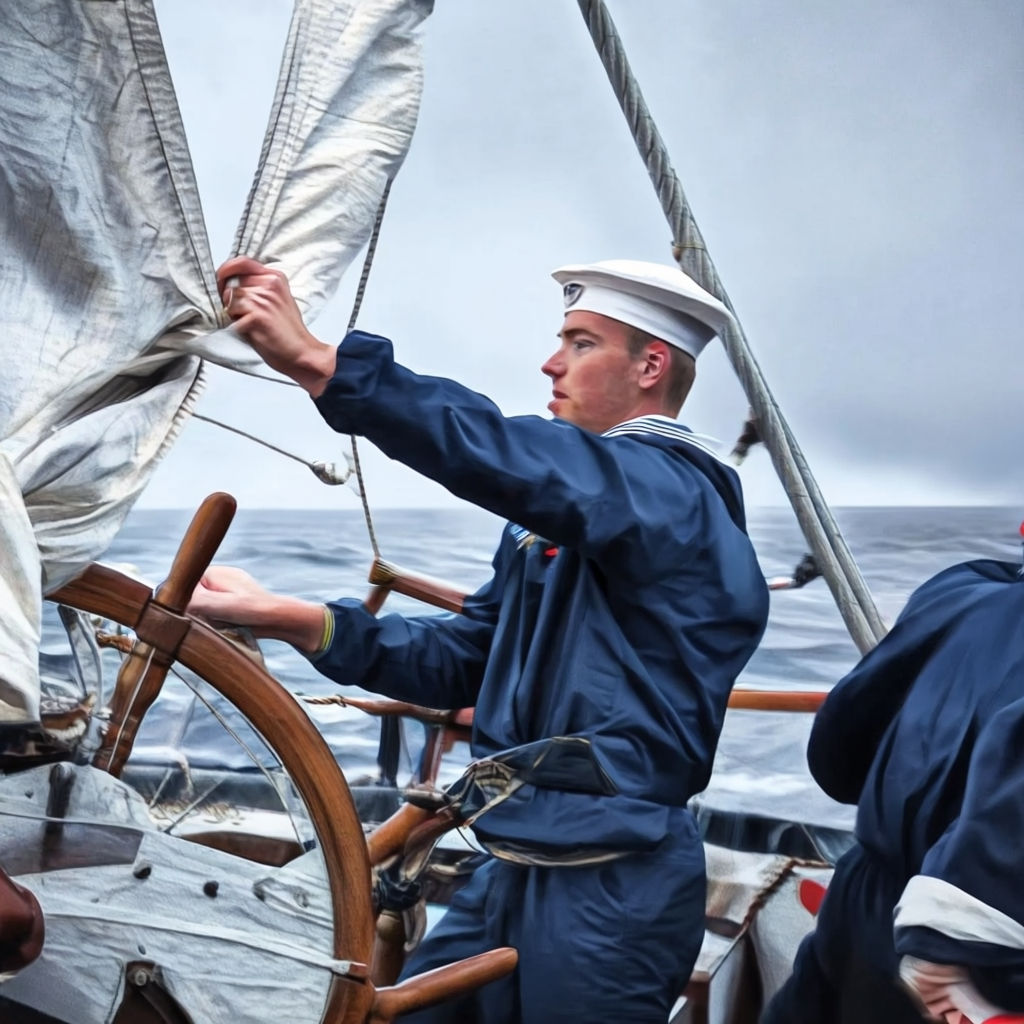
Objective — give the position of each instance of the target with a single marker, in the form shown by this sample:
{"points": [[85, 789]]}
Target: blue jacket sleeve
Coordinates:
{"points": [[979, 861], [632, 507], [434, 660], [857, 713]]}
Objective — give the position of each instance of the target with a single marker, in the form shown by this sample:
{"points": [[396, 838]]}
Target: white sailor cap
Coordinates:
{"points": [[661, 300]]}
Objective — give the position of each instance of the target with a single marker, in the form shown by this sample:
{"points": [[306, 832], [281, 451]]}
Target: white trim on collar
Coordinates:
{"points": [[665, 426]]}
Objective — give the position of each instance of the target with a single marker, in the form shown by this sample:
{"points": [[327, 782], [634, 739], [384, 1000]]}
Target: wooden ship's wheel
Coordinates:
{"points": [[165, 634]]}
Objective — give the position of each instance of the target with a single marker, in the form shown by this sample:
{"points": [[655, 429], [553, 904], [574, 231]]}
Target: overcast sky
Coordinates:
{"points": [[855, 169]]}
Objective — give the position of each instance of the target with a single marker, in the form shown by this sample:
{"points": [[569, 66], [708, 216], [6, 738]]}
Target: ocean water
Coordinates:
{"points": [[760, 766]]}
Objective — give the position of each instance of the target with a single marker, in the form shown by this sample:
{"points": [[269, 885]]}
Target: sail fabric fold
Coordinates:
{"points": [[342, 120], [107, 289]]}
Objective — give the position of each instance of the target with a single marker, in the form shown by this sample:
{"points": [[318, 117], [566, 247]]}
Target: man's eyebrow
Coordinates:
{"points": [[568, 332]]}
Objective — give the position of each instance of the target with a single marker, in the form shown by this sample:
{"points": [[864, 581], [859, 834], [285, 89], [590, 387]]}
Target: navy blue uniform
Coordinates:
{"points": [[926, 735], [625, 600]]}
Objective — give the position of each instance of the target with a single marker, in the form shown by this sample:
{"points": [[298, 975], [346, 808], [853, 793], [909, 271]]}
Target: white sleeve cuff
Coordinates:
{"points": [[932, 903]]}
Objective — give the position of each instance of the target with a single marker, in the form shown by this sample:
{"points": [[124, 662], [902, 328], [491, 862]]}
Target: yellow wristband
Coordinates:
{"points": [[328, 634]]}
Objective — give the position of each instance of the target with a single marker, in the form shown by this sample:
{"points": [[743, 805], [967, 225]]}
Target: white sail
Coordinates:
{"points": [[107, 293]]}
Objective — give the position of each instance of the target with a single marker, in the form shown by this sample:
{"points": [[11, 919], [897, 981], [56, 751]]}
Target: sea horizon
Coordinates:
{"points": [[323, 554], [456, 504]]}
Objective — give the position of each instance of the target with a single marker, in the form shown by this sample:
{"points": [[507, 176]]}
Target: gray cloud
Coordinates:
{"points": [[855, 170]]}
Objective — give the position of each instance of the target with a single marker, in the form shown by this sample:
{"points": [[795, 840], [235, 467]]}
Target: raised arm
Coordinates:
{"points": [[260, 304], [623, 502], [631, 505]]}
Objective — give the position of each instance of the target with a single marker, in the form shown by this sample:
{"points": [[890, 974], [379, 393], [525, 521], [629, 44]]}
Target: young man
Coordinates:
{"points": [[625, 600], [925, 735]]}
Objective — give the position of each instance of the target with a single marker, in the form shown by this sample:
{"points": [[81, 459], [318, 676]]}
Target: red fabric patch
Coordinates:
{"points": [[551, 552], [811, 895]]}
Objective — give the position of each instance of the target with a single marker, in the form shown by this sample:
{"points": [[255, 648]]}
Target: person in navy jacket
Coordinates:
{"points": [[926, 736], [625, 600]]}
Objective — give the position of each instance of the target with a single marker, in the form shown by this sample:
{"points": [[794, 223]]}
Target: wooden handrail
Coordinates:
{"points": [[386, 576], [743, 699], [460, 721]]}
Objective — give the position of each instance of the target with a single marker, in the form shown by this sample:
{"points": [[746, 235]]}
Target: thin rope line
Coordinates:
{"points": [[325, 472], [357, 466], [251, 437], [189, 808], [147, 653]]}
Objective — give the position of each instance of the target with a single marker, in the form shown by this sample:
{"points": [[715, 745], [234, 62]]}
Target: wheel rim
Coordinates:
{"points": [[289, 732]]}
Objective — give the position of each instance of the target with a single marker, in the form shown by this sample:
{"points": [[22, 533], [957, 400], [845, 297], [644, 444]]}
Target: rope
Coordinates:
{"points": [[371, 249], [327, 472], [848, 588]]}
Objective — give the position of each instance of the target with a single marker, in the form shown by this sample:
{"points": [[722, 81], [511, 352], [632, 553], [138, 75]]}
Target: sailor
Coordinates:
{"points": [[625, 600], [926, 911]]}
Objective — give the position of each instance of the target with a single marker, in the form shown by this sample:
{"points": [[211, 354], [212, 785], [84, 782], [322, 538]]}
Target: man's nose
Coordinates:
{"points": [[554, 366]]}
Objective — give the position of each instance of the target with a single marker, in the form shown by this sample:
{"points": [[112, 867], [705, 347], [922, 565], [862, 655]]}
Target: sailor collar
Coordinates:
{"points": [[665, 426]]}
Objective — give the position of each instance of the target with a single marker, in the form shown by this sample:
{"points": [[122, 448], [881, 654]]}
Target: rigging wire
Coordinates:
{"points": [[371, 249], [327, 472], [849, 590]]}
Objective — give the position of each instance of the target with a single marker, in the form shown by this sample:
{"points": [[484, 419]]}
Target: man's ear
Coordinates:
{"points": [[656, 359]]}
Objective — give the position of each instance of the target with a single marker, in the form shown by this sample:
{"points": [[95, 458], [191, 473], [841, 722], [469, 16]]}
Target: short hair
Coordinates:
{"points": [[682, 367]]}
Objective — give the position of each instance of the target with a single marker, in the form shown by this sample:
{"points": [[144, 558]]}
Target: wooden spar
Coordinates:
{"points": [[744, 699], [386, 576]]}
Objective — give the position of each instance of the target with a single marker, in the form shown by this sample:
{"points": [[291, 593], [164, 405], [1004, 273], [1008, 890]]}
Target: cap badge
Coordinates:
{"points": [[572, 292]]}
